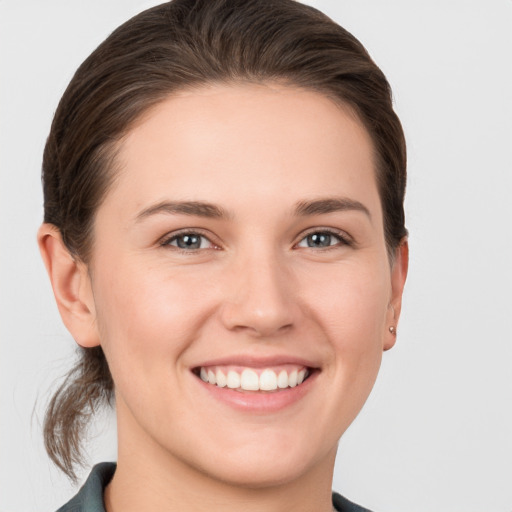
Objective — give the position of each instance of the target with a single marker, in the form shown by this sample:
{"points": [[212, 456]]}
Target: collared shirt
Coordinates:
{"points": [[90, 496]]}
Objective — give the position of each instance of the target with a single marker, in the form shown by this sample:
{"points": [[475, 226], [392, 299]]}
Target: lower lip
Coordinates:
{"points": [[259, 402]]}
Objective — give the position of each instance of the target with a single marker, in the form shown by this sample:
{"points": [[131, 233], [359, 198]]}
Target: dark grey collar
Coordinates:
{"points": [[90, 496]]}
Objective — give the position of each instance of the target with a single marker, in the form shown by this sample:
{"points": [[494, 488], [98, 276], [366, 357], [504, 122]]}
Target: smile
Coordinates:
{"points": [[254, 379]]}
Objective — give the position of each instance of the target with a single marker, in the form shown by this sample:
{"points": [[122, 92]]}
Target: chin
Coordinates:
{"points": [[261, 466], [260, 474]]}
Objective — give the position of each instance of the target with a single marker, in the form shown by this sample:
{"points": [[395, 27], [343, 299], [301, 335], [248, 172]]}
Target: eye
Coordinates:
{"points": [[188, 241], [322, 239]]}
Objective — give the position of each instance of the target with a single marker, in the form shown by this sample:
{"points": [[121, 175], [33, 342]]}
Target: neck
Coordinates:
{"points": [[149, 478]]}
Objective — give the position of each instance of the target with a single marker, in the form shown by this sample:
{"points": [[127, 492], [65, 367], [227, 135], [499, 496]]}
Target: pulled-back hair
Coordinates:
{"points": [[174, 46]]}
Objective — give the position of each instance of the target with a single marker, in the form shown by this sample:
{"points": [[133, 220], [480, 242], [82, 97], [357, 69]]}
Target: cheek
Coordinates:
{"points": [[352, 305], [147, 317], [353, 312]]}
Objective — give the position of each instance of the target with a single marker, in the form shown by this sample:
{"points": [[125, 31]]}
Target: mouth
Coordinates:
{"points": [[254, 380]]}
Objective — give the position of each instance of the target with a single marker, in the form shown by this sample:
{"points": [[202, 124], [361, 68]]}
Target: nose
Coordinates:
{"points": [[261, 300]]}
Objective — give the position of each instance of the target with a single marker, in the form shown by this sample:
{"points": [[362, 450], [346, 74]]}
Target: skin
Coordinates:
{"points": [[254, 289]]}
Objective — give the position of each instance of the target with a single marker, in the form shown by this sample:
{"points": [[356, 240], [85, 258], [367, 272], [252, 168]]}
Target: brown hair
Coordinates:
{"points": [[177, 45]]}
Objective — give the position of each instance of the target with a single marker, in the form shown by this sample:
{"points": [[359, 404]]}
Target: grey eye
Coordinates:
{"points": [[189, 241], [320, 239]]}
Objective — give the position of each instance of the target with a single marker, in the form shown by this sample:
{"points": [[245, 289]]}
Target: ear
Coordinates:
{"points": [[398, 277], [71, 286]]}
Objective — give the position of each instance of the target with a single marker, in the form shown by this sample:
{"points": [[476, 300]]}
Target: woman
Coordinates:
{"points": [[224, 233]]}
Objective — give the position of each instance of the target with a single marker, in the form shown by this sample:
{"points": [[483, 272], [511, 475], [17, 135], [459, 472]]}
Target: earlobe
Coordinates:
{"points": [[71, 286], [398, 277]]}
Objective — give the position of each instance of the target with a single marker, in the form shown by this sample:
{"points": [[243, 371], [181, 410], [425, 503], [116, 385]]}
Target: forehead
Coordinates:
{"points": [[254, 140]]}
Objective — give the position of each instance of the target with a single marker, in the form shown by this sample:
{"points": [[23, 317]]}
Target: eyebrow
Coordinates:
{"points": [[212, 211], [196, 208], [329, 205]]}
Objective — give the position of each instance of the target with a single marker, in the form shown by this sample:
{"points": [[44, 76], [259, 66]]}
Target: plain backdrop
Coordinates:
{"points": [[436, 433]]}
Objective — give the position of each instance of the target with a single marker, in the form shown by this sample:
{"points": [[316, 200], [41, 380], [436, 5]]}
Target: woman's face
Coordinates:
{"points": [[243, 243]]}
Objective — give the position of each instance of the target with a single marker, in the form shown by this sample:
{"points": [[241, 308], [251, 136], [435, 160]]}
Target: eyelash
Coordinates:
{"points": [[342, 240], [167, 240]]}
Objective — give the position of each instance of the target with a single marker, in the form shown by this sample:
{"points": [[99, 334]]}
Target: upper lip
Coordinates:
{"points": [[258, 361]]}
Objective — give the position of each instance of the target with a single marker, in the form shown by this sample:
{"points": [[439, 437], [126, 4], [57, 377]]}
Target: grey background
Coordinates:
{"points": [[436, 434]]}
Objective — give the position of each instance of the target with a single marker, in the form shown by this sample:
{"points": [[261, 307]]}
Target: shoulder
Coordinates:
{"points": [[341, 504], [90, 496]]}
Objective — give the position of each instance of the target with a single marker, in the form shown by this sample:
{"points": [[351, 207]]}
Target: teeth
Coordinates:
{"points": [[249, 380], [282, 379], [233, 380], [221, 379], [268, 380], [292, 379]]}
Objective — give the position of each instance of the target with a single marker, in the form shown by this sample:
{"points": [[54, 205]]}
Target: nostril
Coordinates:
{"points": [[261, 305]]}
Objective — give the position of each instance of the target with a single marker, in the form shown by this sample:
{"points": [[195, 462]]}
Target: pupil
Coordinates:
{"points": [[189, 242], [319, 240]]}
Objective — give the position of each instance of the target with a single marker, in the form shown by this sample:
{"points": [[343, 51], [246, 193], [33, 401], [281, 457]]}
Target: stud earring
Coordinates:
{"points": [[392, 330]]}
